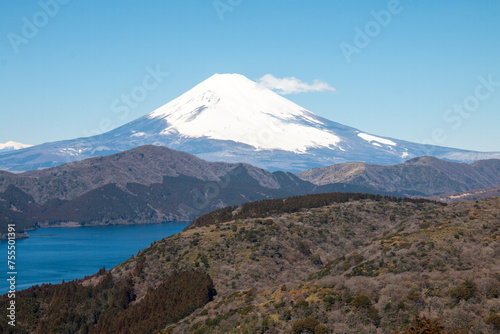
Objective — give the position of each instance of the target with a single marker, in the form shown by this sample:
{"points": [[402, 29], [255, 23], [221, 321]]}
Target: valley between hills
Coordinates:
{"points": [[324, 263]]}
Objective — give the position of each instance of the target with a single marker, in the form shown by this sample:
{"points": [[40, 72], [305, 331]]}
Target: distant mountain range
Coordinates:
{"points": [[233, 119], [152, 184], [424, 176], [149, 184]]}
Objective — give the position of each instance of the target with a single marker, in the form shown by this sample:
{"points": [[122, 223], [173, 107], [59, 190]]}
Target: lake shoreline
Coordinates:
{"points": [[24, 235], [68, 254], [19, 236]]}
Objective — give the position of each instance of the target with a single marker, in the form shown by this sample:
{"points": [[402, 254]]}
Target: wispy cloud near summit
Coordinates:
{"points": [[292, 85]]}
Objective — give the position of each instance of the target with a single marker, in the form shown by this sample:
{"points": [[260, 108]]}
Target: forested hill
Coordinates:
{"points": [[271, 207], [361, 265]]}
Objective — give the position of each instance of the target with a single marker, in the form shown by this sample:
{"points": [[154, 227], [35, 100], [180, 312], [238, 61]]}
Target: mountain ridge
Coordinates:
{"points": [[421, 176], [145, 165], [148, 184]]}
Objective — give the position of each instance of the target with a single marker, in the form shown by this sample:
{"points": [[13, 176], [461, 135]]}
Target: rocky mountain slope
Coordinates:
{"points": [[332, 263], [425, 176], [145, 165], [233, 119]]}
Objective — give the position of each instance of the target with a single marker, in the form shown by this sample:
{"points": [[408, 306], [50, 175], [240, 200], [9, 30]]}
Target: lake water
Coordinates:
{"points": [[51, 255]]}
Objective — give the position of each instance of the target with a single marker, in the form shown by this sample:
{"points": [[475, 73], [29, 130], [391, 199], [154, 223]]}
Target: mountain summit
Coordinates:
{"points": [[230, 118], [232, 107]]}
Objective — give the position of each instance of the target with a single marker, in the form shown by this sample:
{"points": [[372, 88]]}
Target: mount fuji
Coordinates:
{"points": [[233, 119]]}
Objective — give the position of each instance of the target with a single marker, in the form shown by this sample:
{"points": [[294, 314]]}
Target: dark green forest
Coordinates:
{"points": [[110, 306]]}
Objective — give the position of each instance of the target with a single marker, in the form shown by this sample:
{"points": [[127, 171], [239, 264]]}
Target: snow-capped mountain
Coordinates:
{"points": [[233, 119], [12, 145], [231, 107]]}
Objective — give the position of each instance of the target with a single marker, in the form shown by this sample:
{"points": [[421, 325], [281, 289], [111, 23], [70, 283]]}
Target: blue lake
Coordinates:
{"points": [[51, 255]]}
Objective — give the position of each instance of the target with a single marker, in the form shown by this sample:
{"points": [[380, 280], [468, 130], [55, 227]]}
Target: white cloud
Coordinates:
{"points": [[292, 85]]}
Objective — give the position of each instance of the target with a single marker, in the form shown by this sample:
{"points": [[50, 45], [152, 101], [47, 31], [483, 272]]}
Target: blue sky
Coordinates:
{"points": [[430, 72]]}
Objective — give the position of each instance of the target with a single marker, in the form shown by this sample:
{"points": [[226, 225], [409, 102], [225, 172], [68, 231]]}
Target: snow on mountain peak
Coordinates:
{"points": [[232, 107], [12, 145]]}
